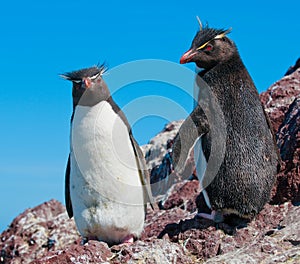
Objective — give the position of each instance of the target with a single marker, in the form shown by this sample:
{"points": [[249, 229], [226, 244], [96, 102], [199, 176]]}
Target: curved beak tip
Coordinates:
{"points": [[182, 60], [187, 57]]}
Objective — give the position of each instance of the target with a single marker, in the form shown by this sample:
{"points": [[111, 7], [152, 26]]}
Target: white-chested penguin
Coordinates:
{"points": [[243, 182], [107, 183]]}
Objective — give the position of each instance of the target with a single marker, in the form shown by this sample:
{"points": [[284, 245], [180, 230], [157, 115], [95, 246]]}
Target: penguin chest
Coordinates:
{"points": [[105, 186]]}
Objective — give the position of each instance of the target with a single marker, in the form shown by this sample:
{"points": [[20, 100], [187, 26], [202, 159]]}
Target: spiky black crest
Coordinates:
{"points": [[83, 73], [207, 34]]}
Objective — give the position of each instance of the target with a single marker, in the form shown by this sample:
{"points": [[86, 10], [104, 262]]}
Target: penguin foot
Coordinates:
{"points": [[129, 239], [216, 216]]}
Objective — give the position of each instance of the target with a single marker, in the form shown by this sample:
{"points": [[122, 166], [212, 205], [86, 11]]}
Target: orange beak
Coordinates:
{"points": [[188, 56]]}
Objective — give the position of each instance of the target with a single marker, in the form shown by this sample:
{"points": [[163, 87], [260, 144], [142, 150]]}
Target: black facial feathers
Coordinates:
{"points": [[207, 34]]}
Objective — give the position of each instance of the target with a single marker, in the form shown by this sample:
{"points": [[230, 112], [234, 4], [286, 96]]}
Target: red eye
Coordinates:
{"points": [[208, 47]]}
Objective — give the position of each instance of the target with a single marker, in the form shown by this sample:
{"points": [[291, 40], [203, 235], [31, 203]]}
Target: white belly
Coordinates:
{"points": [[105, 186], [201, 165]]}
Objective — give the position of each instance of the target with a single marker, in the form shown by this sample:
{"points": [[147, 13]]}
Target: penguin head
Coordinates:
{"points": [[88, 86], [209, 47]]}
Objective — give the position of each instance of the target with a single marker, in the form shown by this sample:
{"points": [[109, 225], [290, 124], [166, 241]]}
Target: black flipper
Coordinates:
{"points": [[67, 190]]}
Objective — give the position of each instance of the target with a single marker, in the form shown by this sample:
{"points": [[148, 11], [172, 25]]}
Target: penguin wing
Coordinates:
{"points": [[67, 190], [143, 172], [192, 129]]}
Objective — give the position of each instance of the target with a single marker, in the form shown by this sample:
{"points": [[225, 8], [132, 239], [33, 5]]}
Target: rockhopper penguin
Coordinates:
{"points": [[107, 183], [243, 182]]}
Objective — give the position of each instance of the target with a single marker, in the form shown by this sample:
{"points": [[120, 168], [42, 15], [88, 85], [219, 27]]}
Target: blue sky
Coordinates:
{"points": [[41, 39]]}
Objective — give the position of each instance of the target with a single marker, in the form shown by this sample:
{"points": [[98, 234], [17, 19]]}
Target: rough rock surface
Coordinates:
{"points": [[173, 233], [281, 102], [293, 68], [279, 96], [158, 147], [37, 231], [287, 186], [158, 153]]}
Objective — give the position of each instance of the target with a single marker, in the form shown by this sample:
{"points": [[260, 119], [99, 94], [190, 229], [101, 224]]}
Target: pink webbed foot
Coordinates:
{"points": [[216, 216], [129, 239]]}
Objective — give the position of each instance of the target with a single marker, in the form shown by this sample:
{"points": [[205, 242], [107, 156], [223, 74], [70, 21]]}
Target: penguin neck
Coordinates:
{"points": [[233, 73], [92, 97], [88, 99], [91, 100]]}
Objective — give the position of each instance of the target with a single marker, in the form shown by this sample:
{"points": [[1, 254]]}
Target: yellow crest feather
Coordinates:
{"points": [[223, 34], [202, 46]]}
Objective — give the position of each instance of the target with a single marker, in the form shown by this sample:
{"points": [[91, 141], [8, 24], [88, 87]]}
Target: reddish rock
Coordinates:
{"points": [[36, 232], [183, 195], [268, 239], [91, 252], [281, 102], [287, 187], [156, 221], [279, 96], [203, 239], [151, 250]]}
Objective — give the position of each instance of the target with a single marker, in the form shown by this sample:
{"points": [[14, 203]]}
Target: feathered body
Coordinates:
{"points": [[244, 180]]}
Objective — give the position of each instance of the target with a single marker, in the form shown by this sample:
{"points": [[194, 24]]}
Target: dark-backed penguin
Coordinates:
{"points": [[244, 179], [107, 184]]}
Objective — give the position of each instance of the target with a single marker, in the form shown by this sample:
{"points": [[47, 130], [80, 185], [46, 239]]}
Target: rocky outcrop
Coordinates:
{"points": [[279, 96], [158, 146], [173, 233], [287, 187], [158, 154], [281, 102], [36, 232], [293, 68], [277, 245]]}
